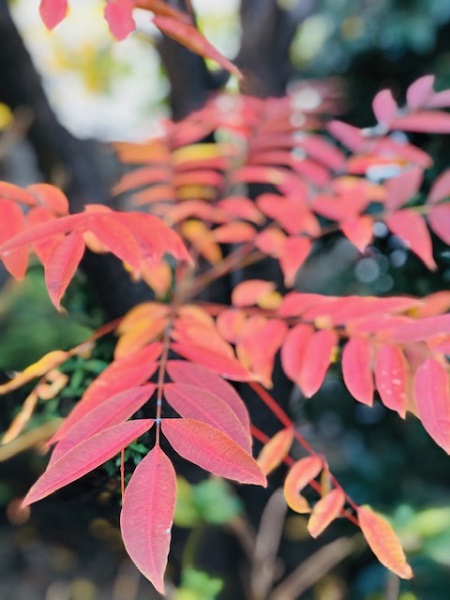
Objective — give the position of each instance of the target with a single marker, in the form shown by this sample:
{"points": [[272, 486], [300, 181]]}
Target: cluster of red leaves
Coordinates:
{"points": [[175, 24], [395, 345]]}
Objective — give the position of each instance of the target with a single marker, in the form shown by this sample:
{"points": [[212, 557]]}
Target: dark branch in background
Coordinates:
{"points": [[85, 166], [190, 80], [267, 34]]}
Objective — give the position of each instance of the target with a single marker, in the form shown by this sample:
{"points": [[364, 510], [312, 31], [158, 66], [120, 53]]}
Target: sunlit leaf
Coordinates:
{"points": [[275, 450], [383, 542], [299, 476], [61, 265], [325, 511], [357, 369]]}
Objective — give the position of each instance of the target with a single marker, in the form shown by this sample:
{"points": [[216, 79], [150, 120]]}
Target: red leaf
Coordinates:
{"points": [[271, 241], [61, 265], [86, 457], [384, 107], [225, 366], [390, 378], [358, 231], [193, 402], [147, 515], [118, 13], [357, 369], [52, 12], [112, 412], [325, 511], [292, 214], [439, 220], [110, 231], [300, 474], [294, 349], [295, 251], [43, 247], [9, 191], [420, 92], [316, 360], [411, 229], [440, 188], [182, 371], [424, 122], [212, 450], [189, 36], [119, 376], [432, 396], [383, 542], [402, 188], [12, 222], [275, 450], [241, 207], [51, 197]]}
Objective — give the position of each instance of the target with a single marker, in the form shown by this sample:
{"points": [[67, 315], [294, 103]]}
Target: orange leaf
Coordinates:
{"points": [[43, 365], [147, 515], [383, 542], [275, 450], [325, 511], [250, 291], [432, 396], [234, 233], [359, 231], [357, 369], [12, 222], [51, 197], [300, 474]]}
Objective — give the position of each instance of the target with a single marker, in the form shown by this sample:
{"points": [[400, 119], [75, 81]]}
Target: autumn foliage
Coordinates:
{"points": [[326, 176]]}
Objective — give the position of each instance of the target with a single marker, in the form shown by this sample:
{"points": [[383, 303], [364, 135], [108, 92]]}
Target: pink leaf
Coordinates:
{"points": [[439, 220], [432, 396], [182, 371], [359, 231], [294, 349], [61, 265], [316, 360], [423, 329], [424, 122], [411, 229], [51, 197], [295, 251], [147, 515], [52, 12], [219, 363], [420, 92], [402, 188], [440, 188], [348, 135], [86, 457], [384, 107], [212, 450], [357, 369], [248, 292], [390, 378], [112, 412], [116, 237], [193, 402], [118, 13]]}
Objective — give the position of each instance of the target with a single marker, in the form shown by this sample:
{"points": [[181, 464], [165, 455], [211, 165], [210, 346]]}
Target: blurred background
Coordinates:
{"points": [[70, 547]]}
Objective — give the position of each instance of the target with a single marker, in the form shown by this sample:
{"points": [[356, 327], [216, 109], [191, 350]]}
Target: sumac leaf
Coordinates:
{"points": [[294, 349], [275, 450], [118, 13], [325, 511], [299, 476], [61, 265], [212, 450], [316, 360], [147, 515], [383, 542], [412, 230], [52, 12], [390, 378], [357, 369], [439, 220], [432, 397], [86, 457]]}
